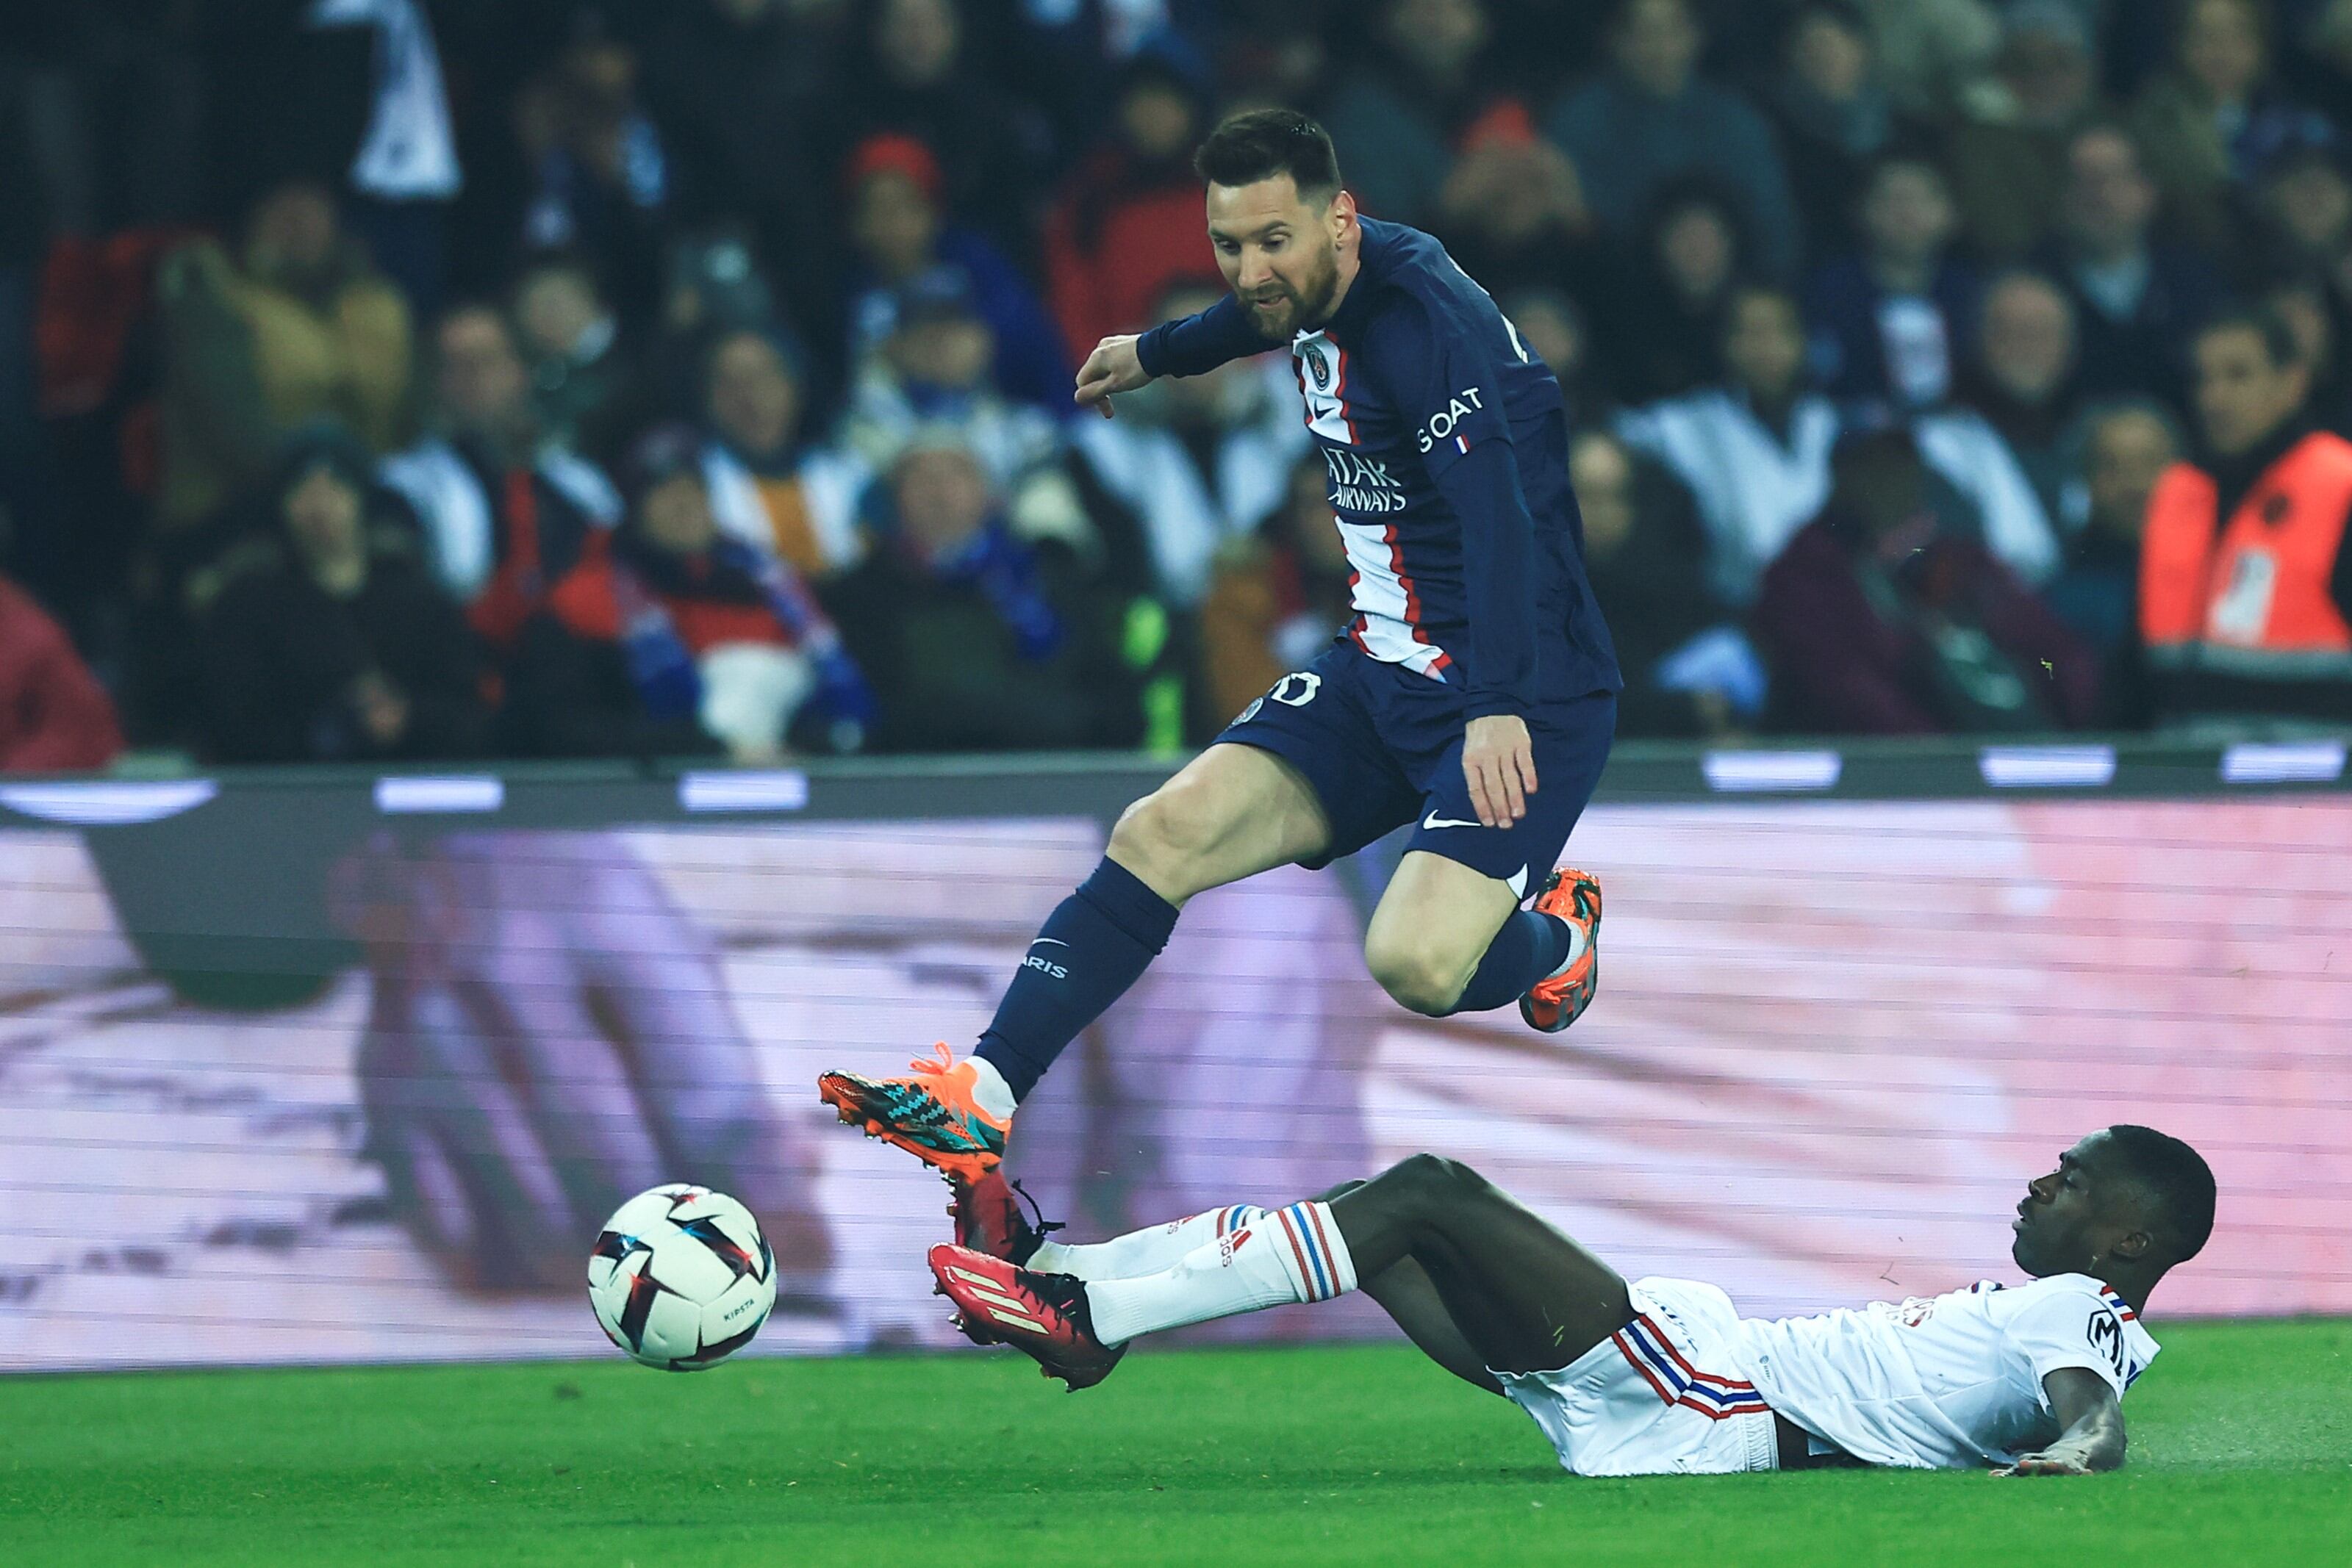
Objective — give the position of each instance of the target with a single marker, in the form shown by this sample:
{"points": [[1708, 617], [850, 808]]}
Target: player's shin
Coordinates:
{"points": [[1531, 946], [1140, 1252], [1286, 1255], [1094, 945]]}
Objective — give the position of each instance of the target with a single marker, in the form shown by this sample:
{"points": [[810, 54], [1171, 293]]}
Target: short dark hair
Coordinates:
{"points": [[2177, 1177], [1260, 143], [2263, 322]]}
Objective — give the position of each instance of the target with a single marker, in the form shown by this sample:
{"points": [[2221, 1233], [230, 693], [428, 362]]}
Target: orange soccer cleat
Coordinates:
{"points": [[1044, 1316], [931, 1114], [1560, 998]]}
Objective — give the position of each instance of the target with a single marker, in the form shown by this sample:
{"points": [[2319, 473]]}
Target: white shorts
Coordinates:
{"points": [[1667, 1395]]}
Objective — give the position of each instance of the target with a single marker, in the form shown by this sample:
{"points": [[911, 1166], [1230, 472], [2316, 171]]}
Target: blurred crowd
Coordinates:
{"points": [[402, 378]]}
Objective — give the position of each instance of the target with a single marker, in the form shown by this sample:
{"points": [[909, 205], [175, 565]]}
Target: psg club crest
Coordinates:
{"points": [[1319, 369]]}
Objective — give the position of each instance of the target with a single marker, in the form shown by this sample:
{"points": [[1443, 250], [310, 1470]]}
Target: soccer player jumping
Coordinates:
{"points": [[1654, 1375], [1473, 692]]}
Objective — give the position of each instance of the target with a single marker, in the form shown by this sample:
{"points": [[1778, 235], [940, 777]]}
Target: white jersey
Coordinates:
{"points": [[1944, 1382]]}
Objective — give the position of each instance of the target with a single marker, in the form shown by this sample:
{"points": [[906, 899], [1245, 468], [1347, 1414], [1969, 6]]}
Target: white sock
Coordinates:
{"points": [[1140, 1252], [1577, 943], [989, 1090], [1294, 1254]]}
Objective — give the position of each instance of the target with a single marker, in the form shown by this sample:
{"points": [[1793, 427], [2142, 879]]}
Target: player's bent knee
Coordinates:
{"points": [[1418, 979], [1432, 1180], [1160, 835]]}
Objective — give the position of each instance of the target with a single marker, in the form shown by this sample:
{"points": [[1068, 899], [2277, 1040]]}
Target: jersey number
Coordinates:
{"points": [[1296, 689]]}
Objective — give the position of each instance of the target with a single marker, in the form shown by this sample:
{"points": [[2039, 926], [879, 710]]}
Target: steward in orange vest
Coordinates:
{"points": [[2245, 589]]}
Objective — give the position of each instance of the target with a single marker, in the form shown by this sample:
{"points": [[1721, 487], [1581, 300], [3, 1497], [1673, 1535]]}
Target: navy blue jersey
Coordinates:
{"points": [[1446, 445]]}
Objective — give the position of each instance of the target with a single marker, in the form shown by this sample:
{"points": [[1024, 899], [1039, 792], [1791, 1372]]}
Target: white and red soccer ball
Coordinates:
{"points": [[681, 1278]]}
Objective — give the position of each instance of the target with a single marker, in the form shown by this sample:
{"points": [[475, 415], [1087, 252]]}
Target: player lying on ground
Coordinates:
{"points": [[1476, 665], [1655, 1376]]}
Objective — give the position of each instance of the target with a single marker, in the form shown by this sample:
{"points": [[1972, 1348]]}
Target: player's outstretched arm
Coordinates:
{"points": [[2091, 1427]]}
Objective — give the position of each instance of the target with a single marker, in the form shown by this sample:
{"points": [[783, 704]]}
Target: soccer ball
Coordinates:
{"points": [[681, 1278]]}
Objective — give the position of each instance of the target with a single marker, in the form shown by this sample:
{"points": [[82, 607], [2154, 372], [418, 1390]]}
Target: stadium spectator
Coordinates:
{"points": [[2305, 199], [730, 83], [975, 639], [587, 385], [1888, 321], [1557, 332], [54, 715], [899, 236], [1197, 461], [1650, 118], [2022, 377], [937, 364], [1396, 116], [909, 74], [2125, 448], [295, 326], [770, 490], [2135, 297], [1755, 450], [1512, 209], [599, 174], [2205, 121], [2315, 319], [1932, 52], [680, 640], [1875, 622], [1128, 221], [403, 175], [1833, 118], [1689, 672], [503, 512], [1276, 597], [1666, 308], [339, 647], [2245, 592], [2006, 148]]}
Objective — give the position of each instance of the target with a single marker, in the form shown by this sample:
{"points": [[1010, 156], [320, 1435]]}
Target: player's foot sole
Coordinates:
{"points": [[1559, 999], [929, 1115]]}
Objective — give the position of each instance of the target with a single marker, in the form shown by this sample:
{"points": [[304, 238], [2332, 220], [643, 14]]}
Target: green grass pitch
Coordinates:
{"points": [[2242, 1452]]}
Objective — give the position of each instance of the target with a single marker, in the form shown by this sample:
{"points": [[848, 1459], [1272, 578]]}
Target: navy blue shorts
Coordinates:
{"points": [[1381, 747]]}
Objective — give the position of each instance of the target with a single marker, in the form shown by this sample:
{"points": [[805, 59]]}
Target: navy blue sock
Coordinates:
{"points": [[1095, 944], [1529, 947]]}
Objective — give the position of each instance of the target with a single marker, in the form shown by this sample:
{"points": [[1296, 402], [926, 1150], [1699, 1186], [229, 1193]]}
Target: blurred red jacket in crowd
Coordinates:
{"points": [[1118, 238], [54, 715]]}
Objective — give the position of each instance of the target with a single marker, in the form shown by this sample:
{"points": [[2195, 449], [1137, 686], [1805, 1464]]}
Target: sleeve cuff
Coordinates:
{"points": [[1491, 704], [1147, 351]]}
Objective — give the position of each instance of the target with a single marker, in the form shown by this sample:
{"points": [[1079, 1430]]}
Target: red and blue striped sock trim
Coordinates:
{"points": [[1309, 1249]]}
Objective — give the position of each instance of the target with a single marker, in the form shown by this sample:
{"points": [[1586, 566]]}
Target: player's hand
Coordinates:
{"points": [[2050, 1462], [1498, 763], [1113, 367], [549, 1035]]}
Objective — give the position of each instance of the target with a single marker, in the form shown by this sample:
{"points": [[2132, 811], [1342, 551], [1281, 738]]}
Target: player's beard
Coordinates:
{"points": [[1303, 307]]}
